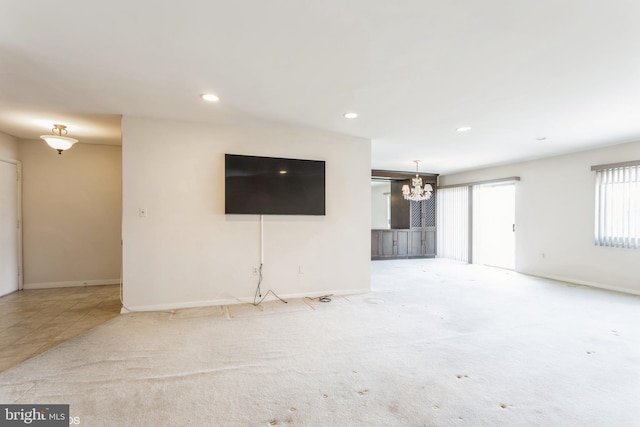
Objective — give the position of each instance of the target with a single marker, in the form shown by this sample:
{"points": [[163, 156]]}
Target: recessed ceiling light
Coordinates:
{"points": [[350, 115], [463, 129], [210, 97]]}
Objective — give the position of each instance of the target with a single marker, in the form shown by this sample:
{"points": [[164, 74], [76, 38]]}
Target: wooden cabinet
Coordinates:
{"points": [[413, 224], [403, 243]]}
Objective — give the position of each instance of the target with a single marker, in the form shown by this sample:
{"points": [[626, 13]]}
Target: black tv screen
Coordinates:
{"points": [[273, 186]]}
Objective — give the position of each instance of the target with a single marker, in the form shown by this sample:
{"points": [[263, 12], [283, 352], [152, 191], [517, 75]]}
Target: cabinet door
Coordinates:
{"points": [[386, 248], [430, 242], [375, 243], [423, 214], [402, 242], [416, 243]]}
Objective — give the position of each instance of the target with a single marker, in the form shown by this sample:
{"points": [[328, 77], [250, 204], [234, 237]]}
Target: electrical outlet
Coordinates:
{"points": [[300, 270], [254, 271], [142, 211]]}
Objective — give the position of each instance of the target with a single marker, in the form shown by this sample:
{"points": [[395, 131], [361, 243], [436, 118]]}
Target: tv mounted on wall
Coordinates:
{"points": [[273, 186]]}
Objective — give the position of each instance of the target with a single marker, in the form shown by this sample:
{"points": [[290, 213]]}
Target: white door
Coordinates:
{"points": [[494, 240], [9, 249]]}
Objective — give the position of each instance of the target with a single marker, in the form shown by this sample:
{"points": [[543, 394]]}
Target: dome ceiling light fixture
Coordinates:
{"points": [[211, 97], [59, 139], [417, 193]]}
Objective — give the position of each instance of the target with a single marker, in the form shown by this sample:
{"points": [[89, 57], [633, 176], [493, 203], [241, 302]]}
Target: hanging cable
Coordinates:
{"points": [[258, 293]]}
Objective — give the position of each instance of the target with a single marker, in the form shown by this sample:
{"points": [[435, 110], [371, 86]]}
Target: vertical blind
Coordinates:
{"points": [[617, 204], [453, 223]]}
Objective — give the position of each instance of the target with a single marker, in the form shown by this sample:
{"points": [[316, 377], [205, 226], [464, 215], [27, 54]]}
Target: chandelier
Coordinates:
{"points": [[59, 140], [417, 193]]}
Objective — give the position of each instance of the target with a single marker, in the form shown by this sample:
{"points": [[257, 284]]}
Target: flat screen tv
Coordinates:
{"points": [[273, 186]]}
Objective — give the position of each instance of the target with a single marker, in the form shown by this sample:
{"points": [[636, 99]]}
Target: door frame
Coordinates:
{"points": [[18, 165]]}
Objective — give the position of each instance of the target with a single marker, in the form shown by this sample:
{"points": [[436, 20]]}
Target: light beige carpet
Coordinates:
{"points": [[435, 343]]}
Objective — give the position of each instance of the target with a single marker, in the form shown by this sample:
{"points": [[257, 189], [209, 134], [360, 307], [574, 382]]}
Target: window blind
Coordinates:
{"points": [[617, 205], [453, 223]]}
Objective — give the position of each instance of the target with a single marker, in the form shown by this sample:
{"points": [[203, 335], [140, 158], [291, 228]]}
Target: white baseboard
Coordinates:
{"points": [[231, 301], [590, 284], [50, 285]]}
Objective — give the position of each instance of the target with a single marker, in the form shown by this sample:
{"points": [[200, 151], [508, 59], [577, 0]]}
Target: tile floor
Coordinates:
{"points": [[33, 321]]}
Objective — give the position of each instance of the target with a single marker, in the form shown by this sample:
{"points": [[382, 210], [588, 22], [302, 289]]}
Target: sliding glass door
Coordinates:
{"points": [[494, 225], [476, 223]]}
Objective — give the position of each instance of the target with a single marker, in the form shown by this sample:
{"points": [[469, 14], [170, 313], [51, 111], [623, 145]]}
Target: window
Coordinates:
{"points": [[617, 216]]}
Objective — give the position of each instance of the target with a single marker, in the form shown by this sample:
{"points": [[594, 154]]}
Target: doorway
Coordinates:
{"points": [[9, 227], [494, 224]]}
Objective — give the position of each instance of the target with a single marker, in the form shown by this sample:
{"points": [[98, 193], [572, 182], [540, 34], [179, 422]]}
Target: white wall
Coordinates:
{"points": [[380, 205], [72, 210], [8, 147], [187, 252], [555, 217], [10, 242]]}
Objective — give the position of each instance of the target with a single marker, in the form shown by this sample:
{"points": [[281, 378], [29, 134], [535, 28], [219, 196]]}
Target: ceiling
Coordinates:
{"points": [[414, 71]]}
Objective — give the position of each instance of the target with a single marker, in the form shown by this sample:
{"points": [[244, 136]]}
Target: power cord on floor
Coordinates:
{"points": [[323, 298], [258, 293]]}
